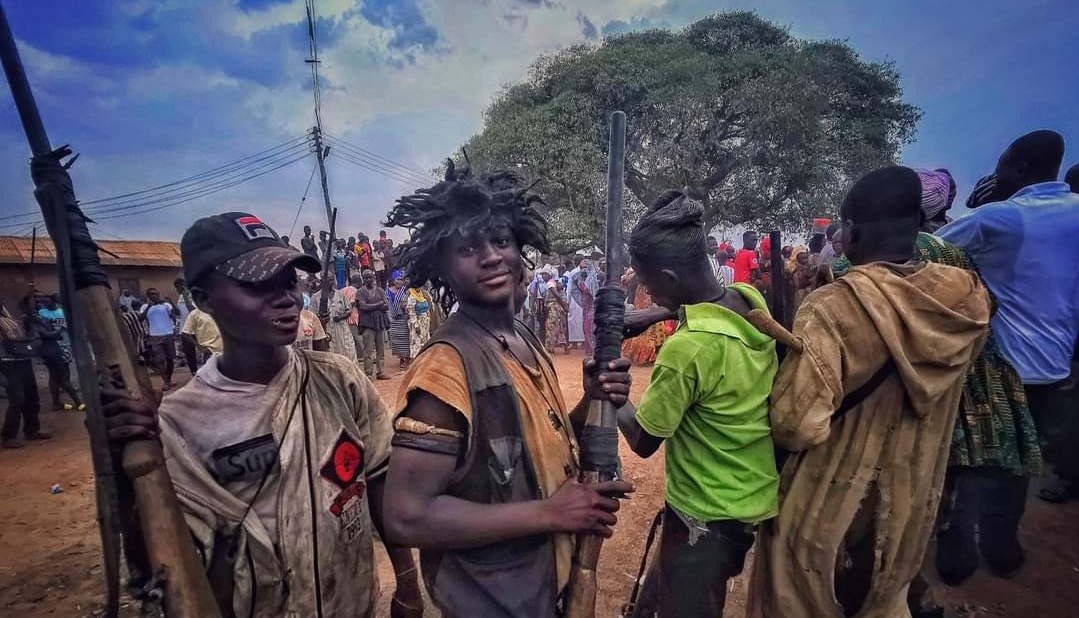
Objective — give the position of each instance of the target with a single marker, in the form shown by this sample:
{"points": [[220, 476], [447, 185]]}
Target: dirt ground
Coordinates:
{"points": [[50, 558]]}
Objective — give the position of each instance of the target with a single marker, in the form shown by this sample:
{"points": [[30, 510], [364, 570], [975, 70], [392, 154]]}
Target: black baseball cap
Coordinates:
{"points": [[241, 247]]}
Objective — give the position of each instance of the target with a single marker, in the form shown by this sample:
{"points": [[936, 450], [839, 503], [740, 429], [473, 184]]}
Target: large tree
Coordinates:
{"points": [[761, 127]]}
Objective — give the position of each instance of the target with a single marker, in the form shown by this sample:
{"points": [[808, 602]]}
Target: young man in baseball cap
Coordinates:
{"points": [[277, 454]]}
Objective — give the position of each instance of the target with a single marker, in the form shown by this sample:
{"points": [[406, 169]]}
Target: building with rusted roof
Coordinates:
{"points": [[135, 265]]}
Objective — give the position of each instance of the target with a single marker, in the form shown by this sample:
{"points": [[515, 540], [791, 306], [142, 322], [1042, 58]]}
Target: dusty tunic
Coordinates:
{"points": [[327, 454], [890, 451], [341, 341]]}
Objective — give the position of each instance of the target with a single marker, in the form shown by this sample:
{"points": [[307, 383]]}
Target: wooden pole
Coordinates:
{"points": [[93, 317], [33, 256], [320, 154]]}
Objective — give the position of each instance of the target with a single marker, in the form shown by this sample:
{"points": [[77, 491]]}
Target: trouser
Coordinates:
{"points": [[383, 278], [1054, 412], [993, 501], [374, 351], [60, 378], [357, 339], [853, 577], [695, 561], [342, 278], [163, 351], [23, 404], [191, 352]]}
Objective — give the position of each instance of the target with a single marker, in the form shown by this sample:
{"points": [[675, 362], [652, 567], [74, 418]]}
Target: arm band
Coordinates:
{"points": [[420, 436]]}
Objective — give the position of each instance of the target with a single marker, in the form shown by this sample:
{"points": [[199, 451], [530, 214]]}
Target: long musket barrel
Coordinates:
{"points": [[599, 439], [93, 316]]}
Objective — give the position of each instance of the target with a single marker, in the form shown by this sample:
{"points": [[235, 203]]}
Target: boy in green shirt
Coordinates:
{"points": [[708, 399]]}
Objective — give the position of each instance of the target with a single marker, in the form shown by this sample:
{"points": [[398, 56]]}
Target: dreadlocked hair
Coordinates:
{"points": [[671, 232], [463, 204]]}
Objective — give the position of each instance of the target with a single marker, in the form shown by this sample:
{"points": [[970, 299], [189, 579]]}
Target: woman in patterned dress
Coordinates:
{"points": [[643, 348], [418, 309], [557, 310]]}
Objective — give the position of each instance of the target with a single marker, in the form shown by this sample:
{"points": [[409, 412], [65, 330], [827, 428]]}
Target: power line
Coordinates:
{"points": [[224, 181], [302, 200], [381, 169], [100, 229], [376, 155], [217, 177], [195, 191], [24, 231], [379, 163], [292, 142], [361, 164], [210, 192], [194, 180], [358, 163], [138, 209]]}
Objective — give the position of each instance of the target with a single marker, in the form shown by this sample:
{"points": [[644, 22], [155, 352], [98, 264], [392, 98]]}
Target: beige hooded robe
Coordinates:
{"points": [[877, 471]]}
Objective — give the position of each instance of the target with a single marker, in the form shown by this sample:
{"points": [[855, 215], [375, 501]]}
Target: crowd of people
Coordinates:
{"points": [[918, 385], [560, 302], [923, 385], [36, 331]]}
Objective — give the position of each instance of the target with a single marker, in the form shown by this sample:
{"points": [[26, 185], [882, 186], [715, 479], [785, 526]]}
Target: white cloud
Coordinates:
{"points": [[414, 105], [248, 23]]}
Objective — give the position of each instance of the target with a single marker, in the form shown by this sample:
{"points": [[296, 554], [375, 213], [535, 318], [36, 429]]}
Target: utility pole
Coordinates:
{"points": [[320, 154]]}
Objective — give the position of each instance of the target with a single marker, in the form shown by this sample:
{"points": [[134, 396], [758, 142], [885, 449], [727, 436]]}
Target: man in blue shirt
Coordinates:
{"points": [[1025, 247]]}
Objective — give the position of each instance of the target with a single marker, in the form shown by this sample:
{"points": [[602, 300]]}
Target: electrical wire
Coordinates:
{"points": [[138, 209], [376, 155], [225, 181], [375, 162], [292, 142], [375, 167], [302, 200], [348, 158], [220, 177], [196, 180], [210, 192]]}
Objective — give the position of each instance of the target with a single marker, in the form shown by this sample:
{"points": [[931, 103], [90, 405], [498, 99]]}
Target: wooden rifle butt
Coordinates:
{"points": [[583, 584], [187, 593]]}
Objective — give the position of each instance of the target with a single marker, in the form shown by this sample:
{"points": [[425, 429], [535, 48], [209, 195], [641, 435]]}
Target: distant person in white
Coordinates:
{"points": [[160, 318]]}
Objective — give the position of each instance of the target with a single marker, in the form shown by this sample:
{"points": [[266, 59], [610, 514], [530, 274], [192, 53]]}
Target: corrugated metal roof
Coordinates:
{"points": [[16, 250]]}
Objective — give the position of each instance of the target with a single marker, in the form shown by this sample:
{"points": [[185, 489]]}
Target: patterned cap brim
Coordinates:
{"points": [[264, 263]]}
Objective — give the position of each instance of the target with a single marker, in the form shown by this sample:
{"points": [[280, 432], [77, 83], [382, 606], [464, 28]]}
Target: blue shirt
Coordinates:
{"points": [[1028, 255]]}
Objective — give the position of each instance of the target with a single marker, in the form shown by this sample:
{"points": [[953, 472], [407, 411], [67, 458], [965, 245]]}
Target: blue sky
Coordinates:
{"points": [[150, 91]]}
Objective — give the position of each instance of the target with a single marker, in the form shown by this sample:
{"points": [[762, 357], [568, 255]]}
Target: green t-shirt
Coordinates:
{"points": [[708, 399]]}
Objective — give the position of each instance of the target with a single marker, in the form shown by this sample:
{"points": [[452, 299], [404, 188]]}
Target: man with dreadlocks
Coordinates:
{"points": [[483, 474]]}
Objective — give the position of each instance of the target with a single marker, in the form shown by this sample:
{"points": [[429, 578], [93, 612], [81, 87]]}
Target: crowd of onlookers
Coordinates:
{"points": [[35, 331], [351, 256]]}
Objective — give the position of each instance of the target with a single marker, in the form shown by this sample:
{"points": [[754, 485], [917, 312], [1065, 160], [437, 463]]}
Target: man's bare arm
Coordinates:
{"points": [[419, 512]]}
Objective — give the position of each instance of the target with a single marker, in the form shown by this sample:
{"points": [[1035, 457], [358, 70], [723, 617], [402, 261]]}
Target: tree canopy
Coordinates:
{"points": [[761, 127]]}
